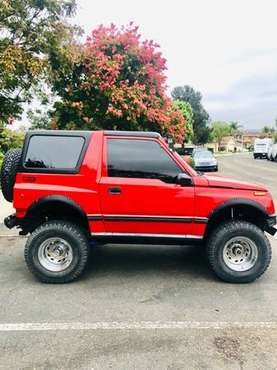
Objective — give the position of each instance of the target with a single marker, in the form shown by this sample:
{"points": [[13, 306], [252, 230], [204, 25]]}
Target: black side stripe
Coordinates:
{"points": [[199, 220], [149, 219], [95, 218]]}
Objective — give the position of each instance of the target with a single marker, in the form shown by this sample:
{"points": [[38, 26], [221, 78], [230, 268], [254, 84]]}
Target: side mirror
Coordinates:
{"points": [[184, 180]]}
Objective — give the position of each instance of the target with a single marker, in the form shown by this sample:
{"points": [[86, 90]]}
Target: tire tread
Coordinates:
{"points": [[229, 227], [67, 227], [8, 172]]}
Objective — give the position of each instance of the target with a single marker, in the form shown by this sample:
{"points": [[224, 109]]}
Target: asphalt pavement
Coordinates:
{"points": [[141, 307]]}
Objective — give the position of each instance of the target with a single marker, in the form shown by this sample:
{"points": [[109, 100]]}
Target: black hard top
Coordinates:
{"points": [[132, 133], [88, 133], [59, 132]]}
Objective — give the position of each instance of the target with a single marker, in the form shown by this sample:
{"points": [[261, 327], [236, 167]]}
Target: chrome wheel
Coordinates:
{"points": [[55, 254], [240, 253]]}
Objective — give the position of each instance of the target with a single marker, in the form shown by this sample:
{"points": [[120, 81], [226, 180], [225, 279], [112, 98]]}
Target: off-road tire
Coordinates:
{"points": [[8, 172], [74, 235], [220, 237]]}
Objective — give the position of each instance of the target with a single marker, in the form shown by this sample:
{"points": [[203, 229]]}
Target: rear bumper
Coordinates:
{"points": [[10, 221]]}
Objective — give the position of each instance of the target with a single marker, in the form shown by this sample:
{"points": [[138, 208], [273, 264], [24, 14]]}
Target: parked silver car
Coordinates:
{"points": [[204, 161]]}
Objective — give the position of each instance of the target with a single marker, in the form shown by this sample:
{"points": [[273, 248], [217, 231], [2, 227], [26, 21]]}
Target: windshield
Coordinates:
{"points": [[203, 154]]}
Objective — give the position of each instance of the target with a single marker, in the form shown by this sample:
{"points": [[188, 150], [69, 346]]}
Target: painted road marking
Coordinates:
{"points": [[137, 325]]}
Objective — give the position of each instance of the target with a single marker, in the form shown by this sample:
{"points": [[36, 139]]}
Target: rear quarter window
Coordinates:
{"points": [[53, 152]]}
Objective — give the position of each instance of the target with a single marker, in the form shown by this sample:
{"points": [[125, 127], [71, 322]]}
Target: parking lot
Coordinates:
{"points": [[141, 307]]}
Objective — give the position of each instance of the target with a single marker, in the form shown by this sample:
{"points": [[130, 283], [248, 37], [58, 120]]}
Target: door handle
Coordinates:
{"points": [[114, 191], [29, 178]]}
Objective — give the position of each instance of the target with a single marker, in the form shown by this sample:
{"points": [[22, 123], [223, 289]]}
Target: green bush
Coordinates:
{"points": [[184, 151], [180, 151], [11, 139], [1, 158]]}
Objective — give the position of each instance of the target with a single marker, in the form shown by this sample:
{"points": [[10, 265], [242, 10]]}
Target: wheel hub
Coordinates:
{"points": [[240, 253], [55, 254]]}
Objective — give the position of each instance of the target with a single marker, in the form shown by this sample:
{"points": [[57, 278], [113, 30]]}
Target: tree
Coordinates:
{"points": [[202, 136], [219, 130], [200, 116], [114, 80], [187, 112], [235, 127], [268, 130], [30, 29], [40, 120]]}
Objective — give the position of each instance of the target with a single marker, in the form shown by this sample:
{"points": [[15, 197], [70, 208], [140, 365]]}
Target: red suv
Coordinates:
{"points": [[73, 187]]}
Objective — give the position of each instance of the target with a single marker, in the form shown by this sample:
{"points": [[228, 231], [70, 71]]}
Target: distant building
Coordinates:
{"points": [[240, 141], [237, 143], [228, 144], [249, 137]]}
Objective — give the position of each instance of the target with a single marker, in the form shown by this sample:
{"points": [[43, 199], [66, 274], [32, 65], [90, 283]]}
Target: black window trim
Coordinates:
{"points": [[149, 138], [85, 135]]}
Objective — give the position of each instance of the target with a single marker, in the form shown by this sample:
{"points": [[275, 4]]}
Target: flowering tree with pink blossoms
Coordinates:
{"points": [[114, 81]]}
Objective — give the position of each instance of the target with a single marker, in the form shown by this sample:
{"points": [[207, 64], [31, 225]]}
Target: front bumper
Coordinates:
{"points": [[206, 168], [271, 226], [260, 155]]}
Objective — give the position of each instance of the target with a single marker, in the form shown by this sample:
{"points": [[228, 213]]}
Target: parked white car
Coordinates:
{"points": [[261, 147], [269, 153], [274, 152]]}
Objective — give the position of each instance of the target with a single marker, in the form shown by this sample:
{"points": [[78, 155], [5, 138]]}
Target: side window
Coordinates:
{"points": [[54, 152], [140, 159]]}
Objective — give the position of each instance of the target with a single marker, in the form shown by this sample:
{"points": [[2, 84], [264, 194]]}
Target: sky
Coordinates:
{"points": [[226, 49]]}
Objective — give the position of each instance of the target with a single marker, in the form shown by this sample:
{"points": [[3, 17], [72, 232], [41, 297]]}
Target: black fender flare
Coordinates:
{"points": [[237, 202], [55, 198], [29, 222], [229, 204]]}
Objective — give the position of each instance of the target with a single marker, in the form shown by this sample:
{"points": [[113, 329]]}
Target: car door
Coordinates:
{"points": [[138, 194]]}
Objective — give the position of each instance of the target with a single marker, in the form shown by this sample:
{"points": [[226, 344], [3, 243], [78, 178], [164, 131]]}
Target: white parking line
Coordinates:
{"points": [[137, 325]]}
